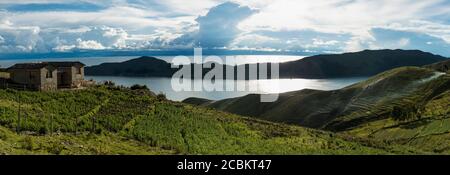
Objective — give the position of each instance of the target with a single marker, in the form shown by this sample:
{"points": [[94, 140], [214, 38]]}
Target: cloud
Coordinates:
{"points": [[81, 45], [31, 38], [36, 7], [90, 44], [218, 27], [337, 16], [388, 38], [385, 38], [437, 30], [19, 39], [320, 26], [120, 16], [292, 40], [176, 7], [86, 38], [321, 43]]}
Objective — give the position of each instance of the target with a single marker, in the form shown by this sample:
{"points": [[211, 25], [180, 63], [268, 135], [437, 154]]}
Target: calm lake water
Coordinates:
{"points": [[163, 85]]}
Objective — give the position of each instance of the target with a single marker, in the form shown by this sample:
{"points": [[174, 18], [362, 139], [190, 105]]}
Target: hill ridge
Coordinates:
{"points": [[363, 63]]}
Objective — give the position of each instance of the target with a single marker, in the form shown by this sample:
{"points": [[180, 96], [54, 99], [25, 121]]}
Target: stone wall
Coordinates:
{"points": [[48, 83], [77, 76]]}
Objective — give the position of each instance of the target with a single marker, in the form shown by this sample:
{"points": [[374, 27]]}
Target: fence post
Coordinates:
{"points": [[76, 125], [76, 120], [93, 124], [51, 124], [18, 114], [25, 116]]}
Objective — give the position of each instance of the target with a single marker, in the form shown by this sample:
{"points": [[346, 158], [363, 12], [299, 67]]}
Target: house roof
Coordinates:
{"points": [[29, 66], [45, 64], [66, 64]]}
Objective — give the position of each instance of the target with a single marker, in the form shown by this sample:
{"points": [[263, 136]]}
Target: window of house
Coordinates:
{"points": [[49, 74], [78, 70]]}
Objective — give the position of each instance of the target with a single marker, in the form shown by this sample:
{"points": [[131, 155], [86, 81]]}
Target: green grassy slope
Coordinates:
{"points": [[443, 66], [404, 102], [339, 109], [104, 120], [430, 132], [406, 106], [426, 126], [70, 143]]}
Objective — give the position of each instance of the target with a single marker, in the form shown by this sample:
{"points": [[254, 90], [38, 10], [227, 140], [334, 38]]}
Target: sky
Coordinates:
{"points": [[319, 26]]}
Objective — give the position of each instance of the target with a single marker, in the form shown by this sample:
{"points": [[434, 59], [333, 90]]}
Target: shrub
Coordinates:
{"points": [[109, 83], [3, 136], [161, 96], [407, 112], [139, 87], [55, 148], [43, 130], [28, 143]]}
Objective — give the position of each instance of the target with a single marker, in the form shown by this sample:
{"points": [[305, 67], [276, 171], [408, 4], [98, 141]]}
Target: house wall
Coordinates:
{"points": [[64, 77], [48, 83], [4, 75], [77, 76], [27, 77], [34, 78], [73, 77]]}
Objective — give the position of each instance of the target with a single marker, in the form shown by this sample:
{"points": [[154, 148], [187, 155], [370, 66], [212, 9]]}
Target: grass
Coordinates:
{"points": [[342, 109], [202, 131], [405, 108], [115, 120], [68, 144], [111, 120], [429, 130]]}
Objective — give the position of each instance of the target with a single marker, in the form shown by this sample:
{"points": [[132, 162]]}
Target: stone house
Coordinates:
{"points": [[47, 75], [38, 76], [69, 74]]}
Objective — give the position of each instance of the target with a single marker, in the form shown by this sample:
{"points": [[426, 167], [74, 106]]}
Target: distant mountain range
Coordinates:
{"points": [[364, 63]]}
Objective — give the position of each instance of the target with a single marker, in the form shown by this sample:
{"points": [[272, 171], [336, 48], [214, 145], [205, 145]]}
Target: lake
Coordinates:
{"points": [[163, 85]]}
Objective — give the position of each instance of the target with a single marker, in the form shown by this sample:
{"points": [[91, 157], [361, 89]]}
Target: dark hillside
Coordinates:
{"points": [[364, 63]]}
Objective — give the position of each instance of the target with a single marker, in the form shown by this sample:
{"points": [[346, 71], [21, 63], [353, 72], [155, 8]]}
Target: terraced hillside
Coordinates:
{"points": [[111, 120], [430, 131], [405, 106], [443, 66], [344, 108], [423, 122]]}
